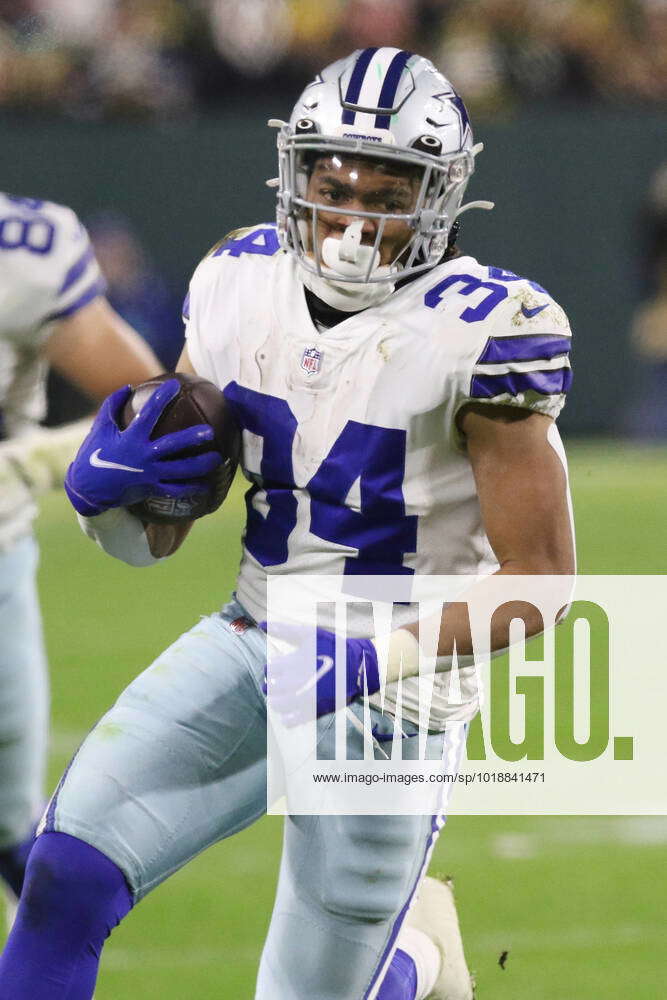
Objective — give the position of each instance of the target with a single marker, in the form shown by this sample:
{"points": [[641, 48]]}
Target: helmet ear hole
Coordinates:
{"points": [[304, 126], [428, 144]]}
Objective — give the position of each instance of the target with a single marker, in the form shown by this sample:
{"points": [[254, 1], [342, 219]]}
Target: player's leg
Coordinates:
{"points": [[431, 948], [345, 888], [72, 899], [23, 709], [177, 764]]}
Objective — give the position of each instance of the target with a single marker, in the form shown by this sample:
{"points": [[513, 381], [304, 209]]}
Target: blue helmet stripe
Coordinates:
{"points": [[390, 86], [355, 84]]}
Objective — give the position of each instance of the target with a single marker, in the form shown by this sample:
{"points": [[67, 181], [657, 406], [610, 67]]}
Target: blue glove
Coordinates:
{"points": [[115, 468], [290, 678]]}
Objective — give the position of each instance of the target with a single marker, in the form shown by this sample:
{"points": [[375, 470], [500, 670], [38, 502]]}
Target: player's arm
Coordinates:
{"points": [[521, 479], [119, 532], [123, 535], [522, 488], [118, 466], [79, 334], [165, 539], [98, 351]]}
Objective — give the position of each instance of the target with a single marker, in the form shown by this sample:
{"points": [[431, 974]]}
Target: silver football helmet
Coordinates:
{"points": [[394, 110]]}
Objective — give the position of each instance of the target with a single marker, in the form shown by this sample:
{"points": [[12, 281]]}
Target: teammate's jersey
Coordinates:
{"points": [[350, 436], [48, 271]]}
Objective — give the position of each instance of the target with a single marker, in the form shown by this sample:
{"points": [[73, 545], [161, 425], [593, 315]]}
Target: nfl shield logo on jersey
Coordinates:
{"points": [[310, 360]]}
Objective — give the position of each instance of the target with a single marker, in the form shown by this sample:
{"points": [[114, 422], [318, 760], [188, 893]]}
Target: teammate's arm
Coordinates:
{"points": [[97, 351], [184, 363]]}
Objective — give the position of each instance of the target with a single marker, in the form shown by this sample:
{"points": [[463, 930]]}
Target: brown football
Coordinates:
{"points": [[198, 402]]}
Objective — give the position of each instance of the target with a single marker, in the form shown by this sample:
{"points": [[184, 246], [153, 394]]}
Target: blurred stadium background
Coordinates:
{"points": [[148, 117]]}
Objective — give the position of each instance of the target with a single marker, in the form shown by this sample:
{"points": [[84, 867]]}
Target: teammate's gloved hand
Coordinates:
{"points": [[291, 677], [115, 468]]}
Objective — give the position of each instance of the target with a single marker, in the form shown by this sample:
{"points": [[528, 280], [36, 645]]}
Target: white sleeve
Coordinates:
{"points": [[52, 271], [121, 535], [79, 278], [195, 307]]}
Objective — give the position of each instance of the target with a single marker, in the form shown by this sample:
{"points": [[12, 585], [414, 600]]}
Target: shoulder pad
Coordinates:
{"points": [[254, 240]]}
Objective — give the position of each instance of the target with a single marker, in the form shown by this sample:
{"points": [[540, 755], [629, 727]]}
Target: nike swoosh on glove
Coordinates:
{"points": [[303, 680], [115, 468]]}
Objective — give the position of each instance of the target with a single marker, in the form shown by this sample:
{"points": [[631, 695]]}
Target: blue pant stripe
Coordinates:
{"points": [[436, 825], [454, 743], [48, 826]]}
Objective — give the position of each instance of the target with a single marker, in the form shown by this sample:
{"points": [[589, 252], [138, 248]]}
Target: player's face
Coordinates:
{"points": [[349, 184]]}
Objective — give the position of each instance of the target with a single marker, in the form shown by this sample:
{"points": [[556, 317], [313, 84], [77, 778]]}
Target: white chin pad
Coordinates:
{"points": [[347, 256]]}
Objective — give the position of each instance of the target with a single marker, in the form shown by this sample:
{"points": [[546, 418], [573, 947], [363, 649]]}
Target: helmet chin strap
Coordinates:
{"points": [[349, 258]]}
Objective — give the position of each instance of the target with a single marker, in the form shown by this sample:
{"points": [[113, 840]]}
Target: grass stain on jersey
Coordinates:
{"points": [[383, 350]]}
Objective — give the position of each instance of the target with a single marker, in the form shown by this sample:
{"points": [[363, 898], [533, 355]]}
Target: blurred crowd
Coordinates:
{"points": [[95, 59]]}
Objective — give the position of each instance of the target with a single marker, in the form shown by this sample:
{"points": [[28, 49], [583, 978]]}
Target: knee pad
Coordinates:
{"points": [[369, 863]]}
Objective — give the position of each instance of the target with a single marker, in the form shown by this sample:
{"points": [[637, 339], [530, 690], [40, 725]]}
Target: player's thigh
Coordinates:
{"points": [[180, 760], [23, 692]]}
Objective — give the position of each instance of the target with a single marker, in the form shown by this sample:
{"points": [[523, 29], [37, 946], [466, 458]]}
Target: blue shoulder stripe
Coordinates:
{"points": [[533, 347], [545, 383]]}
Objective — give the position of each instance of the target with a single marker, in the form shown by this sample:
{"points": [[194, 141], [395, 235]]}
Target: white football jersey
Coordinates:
{"points": [[350, 438], [48, 271]]}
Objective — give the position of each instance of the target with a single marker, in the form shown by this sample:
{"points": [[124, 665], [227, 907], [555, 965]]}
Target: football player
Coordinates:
{"points": [[397, 400], [52, 312]]}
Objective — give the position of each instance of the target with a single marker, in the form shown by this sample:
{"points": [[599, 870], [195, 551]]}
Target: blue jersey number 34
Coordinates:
{"points": [[380, 531]]}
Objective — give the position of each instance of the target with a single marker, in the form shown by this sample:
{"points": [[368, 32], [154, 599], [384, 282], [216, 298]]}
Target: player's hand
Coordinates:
{"points": [[305, 677], [115, 468]]}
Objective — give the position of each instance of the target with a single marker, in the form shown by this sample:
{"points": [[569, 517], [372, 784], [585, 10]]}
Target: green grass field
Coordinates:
{"points": [[578, 902]]}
